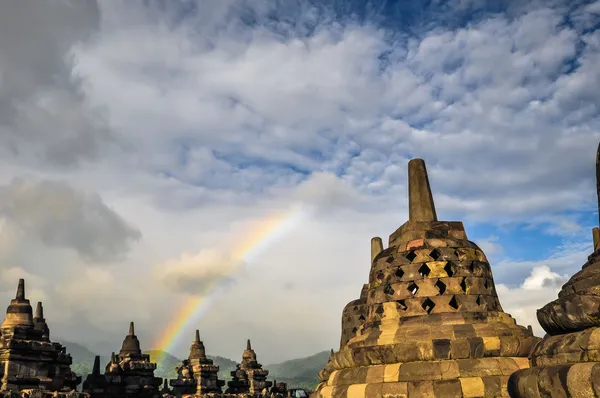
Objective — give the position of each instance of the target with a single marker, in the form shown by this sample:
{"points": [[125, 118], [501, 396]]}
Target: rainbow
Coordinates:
{"points": [[263, 235]]}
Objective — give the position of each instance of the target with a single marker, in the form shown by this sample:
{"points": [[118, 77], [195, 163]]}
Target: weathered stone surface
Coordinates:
{"points": [[129, 374], [197, 374], [249, 377], [428, 319], [30, 364], [567, 361]]}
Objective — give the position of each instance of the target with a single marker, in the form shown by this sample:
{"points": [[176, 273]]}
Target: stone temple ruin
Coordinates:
{"points": [[566, 363], [429, 323], [29, 362]]}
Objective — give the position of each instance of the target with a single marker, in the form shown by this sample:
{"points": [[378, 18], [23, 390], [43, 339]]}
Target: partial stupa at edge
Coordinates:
{"points": [[429, 322], [566, 363]]}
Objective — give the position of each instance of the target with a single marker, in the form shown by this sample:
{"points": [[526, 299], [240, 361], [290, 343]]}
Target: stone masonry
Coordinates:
{"points": [[30, 364], [566, 363], [433, 325]]}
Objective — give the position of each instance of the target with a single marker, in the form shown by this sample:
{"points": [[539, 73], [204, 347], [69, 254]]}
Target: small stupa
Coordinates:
{"points": [[249, 377], [130, 374], [198, 374], [433, 325], [566, 363], [28, 359]]}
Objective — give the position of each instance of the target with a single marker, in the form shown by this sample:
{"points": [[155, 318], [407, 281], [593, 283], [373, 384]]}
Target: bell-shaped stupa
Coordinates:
{"points": [[566, 363], [430, 324]]}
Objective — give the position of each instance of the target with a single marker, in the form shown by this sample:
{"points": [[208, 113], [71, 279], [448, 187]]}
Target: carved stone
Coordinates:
{"points": [[249, 377], [428, 323], [198, 374], [130, 374], [29, 362]]}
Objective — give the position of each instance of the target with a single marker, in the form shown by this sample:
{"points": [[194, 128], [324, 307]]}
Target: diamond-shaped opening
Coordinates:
{"points": [[472, 267], [428, 305], [380, 275], [361, 318], [441, 286], [355, 307], [354, 330], [424, 270], [388, 289], [435, 254], [453, 303], [485, 284], [402, 304], [463, 285], [399, 273], [410, 256], [390, 259], [372, 293], [413, 288], [449, 269], [478, 300], [379, 310]]}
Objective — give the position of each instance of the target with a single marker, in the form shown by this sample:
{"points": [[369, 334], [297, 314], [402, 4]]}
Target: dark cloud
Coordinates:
{"points": [[60, 216], [44, 114]]}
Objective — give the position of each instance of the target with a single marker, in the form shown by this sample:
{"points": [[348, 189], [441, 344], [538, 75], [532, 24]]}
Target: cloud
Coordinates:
{"points": [[538, 289], [45, 117], [227, 112], [198, 273], [60, 216]]}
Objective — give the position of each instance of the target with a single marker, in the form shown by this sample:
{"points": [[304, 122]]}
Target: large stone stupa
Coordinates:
{"points": [[566, 363], [429, 323]]}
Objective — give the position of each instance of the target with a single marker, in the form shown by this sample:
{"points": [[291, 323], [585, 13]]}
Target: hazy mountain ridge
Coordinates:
{"points": [[299, 372]]}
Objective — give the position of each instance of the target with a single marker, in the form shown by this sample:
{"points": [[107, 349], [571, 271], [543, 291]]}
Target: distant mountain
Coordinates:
{"points": [[299, 373]]}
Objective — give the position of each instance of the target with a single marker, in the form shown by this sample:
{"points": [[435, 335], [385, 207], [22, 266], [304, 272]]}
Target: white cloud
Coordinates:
{"points": [[538, 289], [188, 129]]}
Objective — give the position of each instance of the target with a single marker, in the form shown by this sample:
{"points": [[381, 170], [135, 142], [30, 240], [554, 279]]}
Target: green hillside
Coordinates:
{"points": [[299, 373]]}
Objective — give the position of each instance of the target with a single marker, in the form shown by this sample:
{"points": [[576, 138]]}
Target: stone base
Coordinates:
{"points": [[34, 393], [569, 380], [565, 365], [480, 377]]}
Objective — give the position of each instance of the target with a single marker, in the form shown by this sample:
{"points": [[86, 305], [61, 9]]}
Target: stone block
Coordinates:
{"points": [[447, 389], [472, 387]]}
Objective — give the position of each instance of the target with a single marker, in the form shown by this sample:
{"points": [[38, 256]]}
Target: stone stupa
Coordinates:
{"points": [[430, 324], [566, 363]]}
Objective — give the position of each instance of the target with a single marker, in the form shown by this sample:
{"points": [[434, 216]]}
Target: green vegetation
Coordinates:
{"points": [[297, 373]]}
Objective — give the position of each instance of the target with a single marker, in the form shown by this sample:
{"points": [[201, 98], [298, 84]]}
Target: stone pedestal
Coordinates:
{"points": [[433, 325]]}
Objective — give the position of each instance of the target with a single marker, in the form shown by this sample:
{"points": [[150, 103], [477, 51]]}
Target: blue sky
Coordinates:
{"points": [[143, 140]]}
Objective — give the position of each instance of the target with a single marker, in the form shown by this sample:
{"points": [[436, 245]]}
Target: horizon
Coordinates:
{"points": [[145, 143]]}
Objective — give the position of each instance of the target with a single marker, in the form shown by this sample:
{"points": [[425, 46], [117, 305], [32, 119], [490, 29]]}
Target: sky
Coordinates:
{"points": [[143, 142]]}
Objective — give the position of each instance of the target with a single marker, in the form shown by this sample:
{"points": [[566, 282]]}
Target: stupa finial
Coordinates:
{"points": [[131, 329], [248, 345], [96, 368], [39, 310], [21, 290], [197, 338], [376, 247], [420, 199]]}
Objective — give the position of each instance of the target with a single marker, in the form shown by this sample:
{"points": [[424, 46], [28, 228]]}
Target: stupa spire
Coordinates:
{"points": [[96, 368], [420, 199], [21, 290], [248, 345], [131, 329], [197, 338], [376, 247], [39, 310]]}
